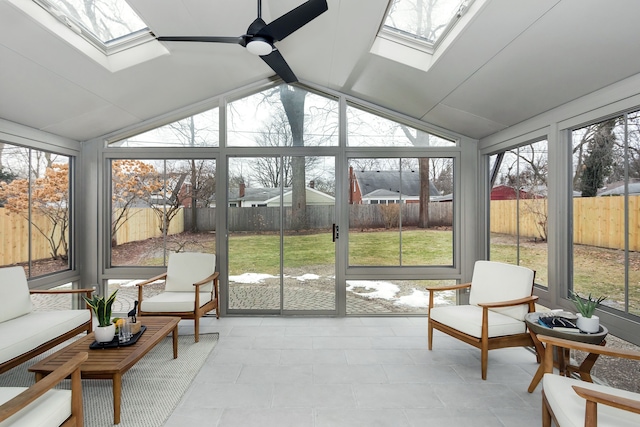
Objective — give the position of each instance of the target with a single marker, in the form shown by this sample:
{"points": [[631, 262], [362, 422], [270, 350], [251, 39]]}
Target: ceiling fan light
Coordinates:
{"points": [[259, 46]]}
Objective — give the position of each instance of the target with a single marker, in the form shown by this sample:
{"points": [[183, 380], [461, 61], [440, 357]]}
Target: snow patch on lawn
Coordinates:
{"points": [[251, 278], [381, 290], [307, 276]]}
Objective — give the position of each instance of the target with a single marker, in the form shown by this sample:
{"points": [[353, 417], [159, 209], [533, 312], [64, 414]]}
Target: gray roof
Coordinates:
{"points": [[634, 188], [390, 180]]}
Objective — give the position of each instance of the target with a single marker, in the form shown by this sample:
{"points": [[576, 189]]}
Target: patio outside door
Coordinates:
{"points": [[280, 221]]}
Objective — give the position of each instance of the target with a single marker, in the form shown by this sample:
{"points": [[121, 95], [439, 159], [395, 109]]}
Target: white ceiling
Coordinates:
{"points": [[512, 61]]}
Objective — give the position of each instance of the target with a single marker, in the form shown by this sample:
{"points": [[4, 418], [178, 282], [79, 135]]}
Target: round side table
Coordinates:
{"points": [[584, 370]]}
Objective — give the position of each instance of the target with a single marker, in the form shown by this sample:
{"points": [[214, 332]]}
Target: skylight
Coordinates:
{"points": [[426, 21], [105, 23]]}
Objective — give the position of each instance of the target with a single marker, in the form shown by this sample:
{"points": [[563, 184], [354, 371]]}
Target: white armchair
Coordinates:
{"points": [[571, 402], [43, 406], [500, 296], [191, 289]]}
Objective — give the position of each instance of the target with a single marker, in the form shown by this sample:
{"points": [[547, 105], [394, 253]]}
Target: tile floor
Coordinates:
{"points": [[355, 371]]}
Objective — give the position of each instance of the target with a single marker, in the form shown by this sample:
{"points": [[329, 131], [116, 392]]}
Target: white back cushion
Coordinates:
{"points": [[495, 282], [15, 300], [186, 268]]}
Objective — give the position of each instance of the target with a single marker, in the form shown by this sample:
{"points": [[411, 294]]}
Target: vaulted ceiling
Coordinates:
{"points": [[510, 61]]}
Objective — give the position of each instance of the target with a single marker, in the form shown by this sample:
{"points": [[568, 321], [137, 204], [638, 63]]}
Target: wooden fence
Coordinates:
{"points": [[597, 221], [14, 235], [265, 218], [144, 223]]}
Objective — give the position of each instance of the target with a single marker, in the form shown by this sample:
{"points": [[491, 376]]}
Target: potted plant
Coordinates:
{"points": [[106, 330], [587, 321]]}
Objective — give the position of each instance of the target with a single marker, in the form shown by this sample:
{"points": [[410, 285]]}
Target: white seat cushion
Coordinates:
{"points": [[173, 302], [50, 409], [468, 319], [24, 333], [569, 408]]}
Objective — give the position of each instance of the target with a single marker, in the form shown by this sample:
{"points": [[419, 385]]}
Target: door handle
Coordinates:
{"points": [[336, 232]]}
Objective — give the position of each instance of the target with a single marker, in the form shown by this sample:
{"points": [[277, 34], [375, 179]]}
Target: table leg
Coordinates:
{"points": [[540, 356], [584, 370], [175, 342], [117, 395]]}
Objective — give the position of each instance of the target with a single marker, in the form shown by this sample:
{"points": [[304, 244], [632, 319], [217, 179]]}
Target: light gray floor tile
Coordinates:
{"points": [[295, 357], [313, 396], [215, 373], [341, 342], [283, 342], [348, 374], [477, 396], [452, 417], [421, 374], [267, 418], [360, 418], [280, 374], [379, 356], [396, 396]]}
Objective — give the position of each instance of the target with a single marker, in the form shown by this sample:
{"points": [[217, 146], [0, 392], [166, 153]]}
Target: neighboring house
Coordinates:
{"points": [[617, 189], [386, 187], [254, 197], [505, 192]]}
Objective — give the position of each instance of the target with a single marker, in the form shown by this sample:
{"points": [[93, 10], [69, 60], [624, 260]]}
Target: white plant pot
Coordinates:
{"points": [[105, 333], [590, 325]]}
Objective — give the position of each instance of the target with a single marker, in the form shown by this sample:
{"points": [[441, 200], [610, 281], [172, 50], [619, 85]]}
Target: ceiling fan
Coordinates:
{"points": [[261, 37]]}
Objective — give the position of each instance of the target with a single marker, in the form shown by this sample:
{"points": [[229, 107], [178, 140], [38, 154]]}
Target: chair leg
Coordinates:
{"points": [[196, 327], [430, 335], [484, 358], [546, 415]]}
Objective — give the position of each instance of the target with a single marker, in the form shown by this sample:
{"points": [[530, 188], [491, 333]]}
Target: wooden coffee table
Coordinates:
{"points": [[112, 363]]}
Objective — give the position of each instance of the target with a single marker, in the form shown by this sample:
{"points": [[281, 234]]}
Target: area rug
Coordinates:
{"points": [[151, 389]]}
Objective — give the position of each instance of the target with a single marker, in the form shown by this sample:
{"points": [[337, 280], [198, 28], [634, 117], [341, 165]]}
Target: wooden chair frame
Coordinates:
{"points": [[85, 327], [197, 312], [592, 397], [69, 368], [484, 343]]}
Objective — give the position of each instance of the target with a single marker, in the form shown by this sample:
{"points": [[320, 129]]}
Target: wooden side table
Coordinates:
{"points": [[562, 355]]}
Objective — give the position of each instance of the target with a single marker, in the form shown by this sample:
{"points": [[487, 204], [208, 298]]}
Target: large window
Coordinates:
{"points": [[401, 211], [606, 193], [519, 207], [36, 209], [161, 206]]}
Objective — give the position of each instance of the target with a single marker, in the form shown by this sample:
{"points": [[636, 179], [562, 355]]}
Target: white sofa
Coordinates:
{"points": [[41, 405], [26, 333]]}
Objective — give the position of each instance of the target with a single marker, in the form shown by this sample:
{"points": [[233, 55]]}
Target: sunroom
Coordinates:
{"points": [[382, 148]]}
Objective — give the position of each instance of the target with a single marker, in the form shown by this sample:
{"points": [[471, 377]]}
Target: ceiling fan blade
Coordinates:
{"points": [[294, 19], [207, 39], [280, 66]]}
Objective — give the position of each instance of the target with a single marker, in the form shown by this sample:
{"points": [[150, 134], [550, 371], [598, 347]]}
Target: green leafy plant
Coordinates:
{"points": [[102, 307], [586, 306]]}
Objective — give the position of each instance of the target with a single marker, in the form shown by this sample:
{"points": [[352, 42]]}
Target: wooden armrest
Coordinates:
{"points": [[62, 291], [153, 279], [213, 276], [519, 301], [448, 288], [590, 348], [608, 399], [28, 396]]}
